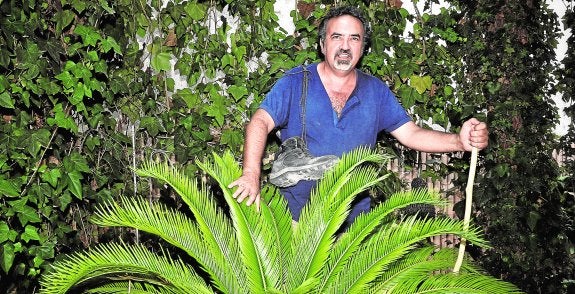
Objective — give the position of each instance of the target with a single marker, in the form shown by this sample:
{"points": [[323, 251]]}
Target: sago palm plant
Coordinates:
{"points": [[237, 249]]}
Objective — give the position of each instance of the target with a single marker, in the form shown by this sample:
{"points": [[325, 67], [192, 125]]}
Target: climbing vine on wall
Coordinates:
{"points": [[521, 200]]}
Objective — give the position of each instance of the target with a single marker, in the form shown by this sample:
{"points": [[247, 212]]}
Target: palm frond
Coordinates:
{"points": [[216, 228], [327, 209], [168, 224], [365, 224], [462, 283], [128, 262], [393, 242], [260, 251], [276, 212], [129, 287], [416, 266], [402, 199]]}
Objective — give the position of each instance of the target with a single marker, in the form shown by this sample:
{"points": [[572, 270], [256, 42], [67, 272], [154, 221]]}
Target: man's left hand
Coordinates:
{"points": [[474, 133]]}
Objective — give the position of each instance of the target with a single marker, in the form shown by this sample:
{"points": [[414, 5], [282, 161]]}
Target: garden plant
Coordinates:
{"points": [[241, 250]]}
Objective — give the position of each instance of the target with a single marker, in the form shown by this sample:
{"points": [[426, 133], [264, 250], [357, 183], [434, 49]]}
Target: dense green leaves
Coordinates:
{"points": [[522, 199], [53, 73]]}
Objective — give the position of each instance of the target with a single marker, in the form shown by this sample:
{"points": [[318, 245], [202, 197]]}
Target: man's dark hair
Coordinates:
{"points": [[340, 11]]}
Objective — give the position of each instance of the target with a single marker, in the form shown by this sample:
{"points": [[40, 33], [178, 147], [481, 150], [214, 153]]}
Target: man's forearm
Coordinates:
{"points": [[415, 137], [436, 141], [256, 137], [473, 133]]}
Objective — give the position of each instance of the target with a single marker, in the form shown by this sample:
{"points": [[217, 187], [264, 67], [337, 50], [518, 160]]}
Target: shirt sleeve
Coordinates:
{"points": [[279, 101]]}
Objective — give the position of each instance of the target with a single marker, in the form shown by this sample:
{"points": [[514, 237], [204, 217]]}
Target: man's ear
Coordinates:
{"points": [[321, 46]]}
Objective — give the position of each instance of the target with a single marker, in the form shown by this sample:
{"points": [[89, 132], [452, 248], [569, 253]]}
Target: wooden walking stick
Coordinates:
{"points": [[468, 201]]}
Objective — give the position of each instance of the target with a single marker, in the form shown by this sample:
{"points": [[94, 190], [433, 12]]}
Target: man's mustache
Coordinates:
{"points": [[343, 51]]}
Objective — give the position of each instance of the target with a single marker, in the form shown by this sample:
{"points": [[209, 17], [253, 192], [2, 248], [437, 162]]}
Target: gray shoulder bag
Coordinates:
{"points": [[293, 162]]}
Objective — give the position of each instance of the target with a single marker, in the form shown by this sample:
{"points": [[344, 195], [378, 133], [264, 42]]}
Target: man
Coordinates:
{"points": [[345, 109]]}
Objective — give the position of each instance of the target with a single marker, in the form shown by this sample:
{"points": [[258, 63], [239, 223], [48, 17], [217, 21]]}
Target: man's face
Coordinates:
{"points": [[343, 44]]}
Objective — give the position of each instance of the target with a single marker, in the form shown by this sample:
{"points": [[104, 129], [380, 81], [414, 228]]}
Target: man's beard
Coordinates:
{"points": [[343, 64]]}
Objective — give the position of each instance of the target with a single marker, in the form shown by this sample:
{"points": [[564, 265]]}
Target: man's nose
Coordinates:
{"points": [[345, 44]]}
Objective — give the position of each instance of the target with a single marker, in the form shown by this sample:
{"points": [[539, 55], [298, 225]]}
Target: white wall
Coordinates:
{"points": [[560, 6]]}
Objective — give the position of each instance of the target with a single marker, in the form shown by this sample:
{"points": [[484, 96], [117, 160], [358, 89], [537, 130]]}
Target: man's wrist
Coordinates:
{"points": [[460, 145], [252, 171]]}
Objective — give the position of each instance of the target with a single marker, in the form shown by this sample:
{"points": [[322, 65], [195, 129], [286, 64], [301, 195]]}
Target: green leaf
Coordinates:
{"points": [[101, 66], [79, 5], [26, 98], [407, 96], [161, 61], [5, 232], [4, 57], [32, 53], [448, 90], [81, 71], [65, 199], [38, 261], [30, 233], [88, 34], [62, 120], [190, 98], [87, 91], [104, 4], [92, 85], [74, 184], [231, 138], [27, 214], [152, 125], [227, 59], [6, 101], [421, 84], [68, 80], [217, 109], [406, 68], [37, 140], [170, 84], [404, 12], [7, 256], [19, 204], [77, 96], [32, 72], [239, 52], [238, 92], [63, 19], [532, 219], [109, 43], [4, 83], [92, 143], [46, 250], [76, 162], [52, 176], [195, 11], [8, 188]]}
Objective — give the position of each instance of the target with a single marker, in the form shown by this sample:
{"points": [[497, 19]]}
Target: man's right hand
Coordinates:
{"points": [[248, 187]]}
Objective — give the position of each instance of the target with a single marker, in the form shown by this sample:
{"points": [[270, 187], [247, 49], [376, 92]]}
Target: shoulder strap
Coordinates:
{"points": [[303, 101]]}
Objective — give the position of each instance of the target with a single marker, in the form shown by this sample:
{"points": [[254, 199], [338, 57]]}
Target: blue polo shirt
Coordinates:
{"points": [[370, 109]]}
